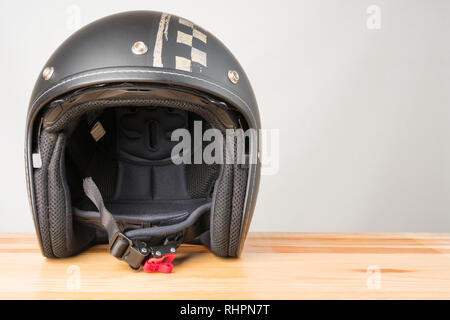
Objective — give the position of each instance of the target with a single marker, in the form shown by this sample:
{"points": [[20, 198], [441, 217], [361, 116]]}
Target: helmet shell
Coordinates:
{"points": [[179, 52]]}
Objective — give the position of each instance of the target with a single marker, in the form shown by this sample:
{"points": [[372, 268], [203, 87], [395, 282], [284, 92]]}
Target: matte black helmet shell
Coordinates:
{"points": [[139, 51], [101, 52]]}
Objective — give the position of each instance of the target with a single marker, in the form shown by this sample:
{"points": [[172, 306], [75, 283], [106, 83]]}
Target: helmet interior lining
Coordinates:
{"points": [[131, 165], [220, 187]]}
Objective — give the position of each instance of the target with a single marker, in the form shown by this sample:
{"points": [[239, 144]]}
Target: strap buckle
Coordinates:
{"points": [[162, 256], [122, 248], [161, 264]]}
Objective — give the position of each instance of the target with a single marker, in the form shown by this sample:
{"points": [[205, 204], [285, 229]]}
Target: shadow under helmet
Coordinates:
{"points": [[99, 142]]}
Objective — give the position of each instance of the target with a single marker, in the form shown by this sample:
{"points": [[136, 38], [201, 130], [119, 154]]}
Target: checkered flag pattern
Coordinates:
{"points": [[197, 55]]}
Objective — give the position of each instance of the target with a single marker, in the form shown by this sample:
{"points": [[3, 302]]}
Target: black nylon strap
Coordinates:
{"points": [[120, 246], [171, 229], [106, 218]]}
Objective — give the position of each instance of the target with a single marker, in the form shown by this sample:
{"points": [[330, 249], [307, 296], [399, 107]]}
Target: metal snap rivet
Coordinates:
{"points": [[139, 48], [233, 76], [47, 73]]}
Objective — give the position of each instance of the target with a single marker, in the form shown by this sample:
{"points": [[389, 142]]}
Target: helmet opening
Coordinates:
{"points": [[127, 152], [117, 139]]}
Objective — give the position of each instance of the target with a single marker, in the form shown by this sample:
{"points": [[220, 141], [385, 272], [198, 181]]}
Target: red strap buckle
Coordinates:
{"points": [[162, 264]]}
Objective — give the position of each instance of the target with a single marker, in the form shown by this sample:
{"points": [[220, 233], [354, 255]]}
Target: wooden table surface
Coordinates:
{"points": [[273, 266]]}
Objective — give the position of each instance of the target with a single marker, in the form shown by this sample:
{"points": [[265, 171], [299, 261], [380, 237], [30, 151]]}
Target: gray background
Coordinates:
{"points": [[363, 114]]}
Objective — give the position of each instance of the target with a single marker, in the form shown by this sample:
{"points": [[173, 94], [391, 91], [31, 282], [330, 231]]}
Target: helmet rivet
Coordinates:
{"points": [[139, 48], [158, 254], [47, 73], [233, 76], [172, 250]]}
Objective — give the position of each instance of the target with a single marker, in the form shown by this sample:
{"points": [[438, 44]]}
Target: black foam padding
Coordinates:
{"points": [[239, 192], [144, 134], [145, 171], [152, 213], [60, 236], [59, 209], [228, 208], [132, 167], [47, 145], [145, 182]]}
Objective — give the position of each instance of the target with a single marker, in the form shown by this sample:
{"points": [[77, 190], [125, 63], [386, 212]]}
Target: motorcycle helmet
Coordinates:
{"points": [[99, 147]]}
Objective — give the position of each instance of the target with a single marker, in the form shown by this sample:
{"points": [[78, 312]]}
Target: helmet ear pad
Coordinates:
{"points": [[228, 206], [60, 235]]}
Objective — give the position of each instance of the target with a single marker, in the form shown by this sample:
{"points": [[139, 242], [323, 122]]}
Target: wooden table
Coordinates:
{"points": [[273, 266]]}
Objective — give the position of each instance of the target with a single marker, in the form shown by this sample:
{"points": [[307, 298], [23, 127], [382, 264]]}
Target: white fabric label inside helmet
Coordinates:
{"points": [[97, 131]]}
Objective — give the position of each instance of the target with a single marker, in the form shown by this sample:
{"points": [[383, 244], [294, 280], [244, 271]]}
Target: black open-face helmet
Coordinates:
{"points": [[100, 142]]}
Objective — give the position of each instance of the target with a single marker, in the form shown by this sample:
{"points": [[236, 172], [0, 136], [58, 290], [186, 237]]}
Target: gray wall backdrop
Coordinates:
{"points": [[359, 91]]}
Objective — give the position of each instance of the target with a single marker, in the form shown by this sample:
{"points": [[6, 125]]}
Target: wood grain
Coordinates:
{"points": [[273, 266]]}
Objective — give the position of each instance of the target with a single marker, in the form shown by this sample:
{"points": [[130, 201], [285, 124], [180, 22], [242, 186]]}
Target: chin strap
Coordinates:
{"points": [[135, 253]]}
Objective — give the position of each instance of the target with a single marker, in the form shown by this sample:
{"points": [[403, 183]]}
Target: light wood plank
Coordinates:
{"points": [[273, 266]]}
